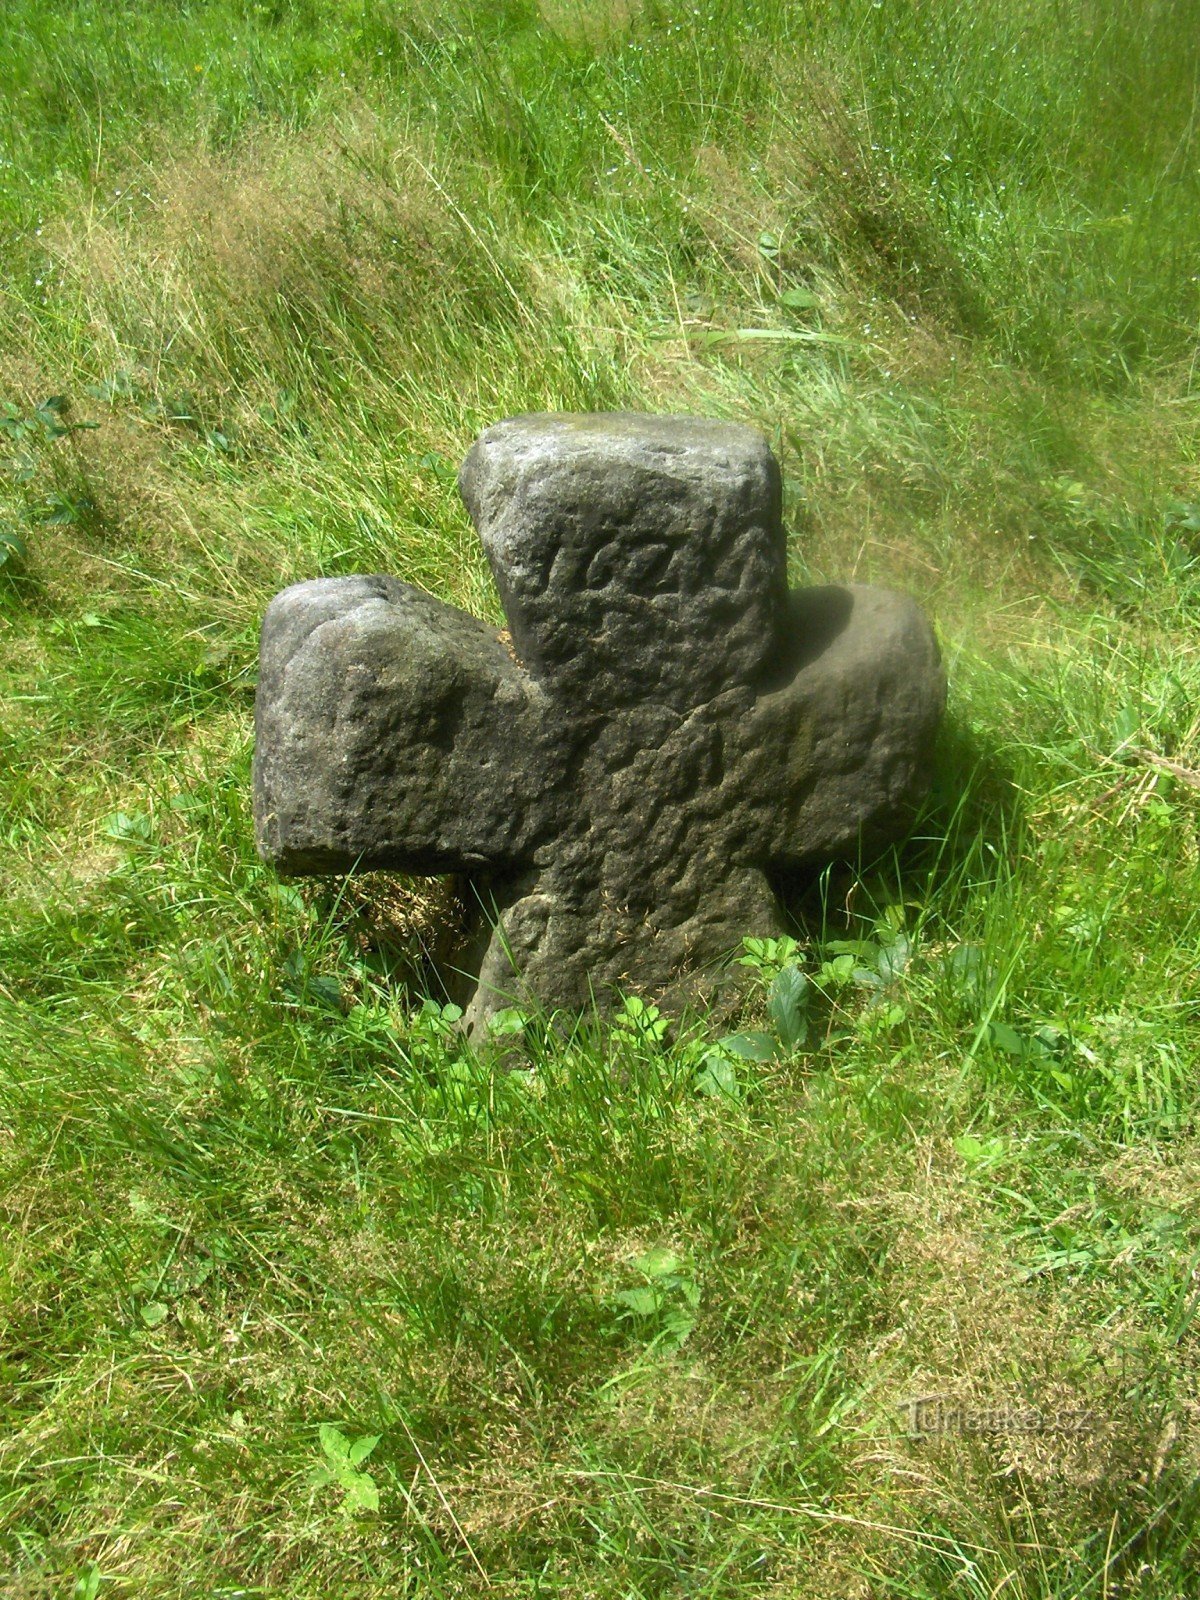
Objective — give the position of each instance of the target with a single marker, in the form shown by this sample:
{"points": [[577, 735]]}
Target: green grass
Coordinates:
{"points": [[629, 1324]]}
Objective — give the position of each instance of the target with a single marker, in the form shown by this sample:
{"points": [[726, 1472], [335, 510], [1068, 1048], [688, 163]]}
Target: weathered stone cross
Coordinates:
{"points": [[669, 727]]}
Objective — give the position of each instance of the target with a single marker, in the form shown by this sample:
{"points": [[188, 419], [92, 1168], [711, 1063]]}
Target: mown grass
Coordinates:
{"points": [[615, 1333]]}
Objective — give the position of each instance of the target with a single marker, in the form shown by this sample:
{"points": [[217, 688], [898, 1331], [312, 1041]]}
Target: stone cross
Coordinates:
{"points": [[664, 729]]}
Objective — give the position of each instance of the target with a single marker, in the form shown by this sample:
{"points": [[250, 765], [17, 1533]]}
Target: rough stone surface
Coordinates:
{"points": [[676, 729], [638, 558]]}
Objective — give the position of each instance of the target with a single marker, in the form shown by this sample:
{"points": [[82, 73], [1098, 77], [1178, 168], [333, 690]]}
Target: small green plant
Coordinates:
{"points": [[87, 1584], [341, 1468], [717, 1075], [13, 548], [45, 423], [777, 964], [721, 1067], [869, 967], [435, 1022], [768, 956], [662, 1309], [507, 1023], [29, 435], [640, 1020]]}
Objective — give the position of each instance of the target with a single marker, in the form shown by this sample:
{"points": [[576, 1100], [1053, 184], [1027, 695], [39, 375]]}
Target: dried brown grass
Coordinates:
{"points": [[231, 272]]}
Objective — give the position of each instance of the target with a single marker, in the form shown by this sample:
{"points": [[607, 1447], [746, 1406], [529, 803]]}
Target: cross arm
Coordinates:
{"points": [[391, 730], [838, 749]]}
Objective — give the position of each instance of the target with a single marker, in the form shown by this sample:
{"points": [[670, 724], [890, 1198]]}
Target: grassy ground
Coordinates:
{"points": [[298, 1297]]}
